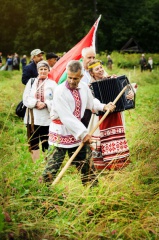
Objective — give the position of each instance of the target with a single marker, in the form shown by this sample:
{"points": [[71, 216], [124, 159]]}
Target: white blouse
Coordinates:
{"points": [[42, 116]]}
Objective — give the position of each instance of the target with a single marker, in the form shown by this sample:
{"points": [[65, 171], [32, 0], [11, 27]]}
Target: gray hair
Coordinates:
{"points": [[43, 63], [74, 66], [86, 50]]}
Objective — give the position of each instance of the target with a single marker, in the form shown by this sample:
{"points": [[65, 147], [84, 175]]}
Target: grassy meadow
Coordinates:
{"points": [[124, 206]]}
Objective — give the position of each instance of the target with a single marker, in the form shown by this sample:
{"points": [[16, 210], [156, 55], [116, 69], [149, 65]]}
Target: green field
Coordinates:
{"points": [[124, 206]]}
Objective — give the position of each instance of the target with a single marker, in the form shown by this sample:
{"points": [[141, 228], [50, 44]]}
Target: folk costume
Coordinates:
{"points": [[66, 129], [110, 148], [41, 90]]}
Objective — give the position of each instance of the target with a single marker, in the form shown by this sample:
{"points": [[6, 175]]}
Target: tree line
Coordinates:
{"points": [[54, 25]]}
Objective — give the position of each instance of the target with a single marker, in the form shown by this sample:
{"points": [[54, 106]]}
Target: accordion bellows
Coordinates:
{"points": [[106, 90]]}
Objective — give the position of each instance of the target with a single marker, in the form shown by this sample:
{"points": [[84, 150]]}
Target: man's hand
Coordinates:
{"points": [[87, 139], [109, 106]]}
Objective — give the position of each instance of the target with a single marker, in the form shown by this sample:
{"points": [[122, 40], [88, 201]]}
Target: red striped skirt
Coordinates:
{"points": [[110, 149]]}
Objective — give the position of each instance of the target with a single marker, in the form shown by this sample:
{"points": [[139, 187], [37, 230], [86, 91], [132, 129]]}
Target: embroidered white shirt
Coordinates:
{"points": [[70, 132]]}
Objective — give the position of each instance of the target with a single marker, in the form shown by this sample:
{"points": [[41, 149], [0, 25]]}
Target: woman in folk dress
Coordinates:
{"points": [[38, 97], [109, 145]]}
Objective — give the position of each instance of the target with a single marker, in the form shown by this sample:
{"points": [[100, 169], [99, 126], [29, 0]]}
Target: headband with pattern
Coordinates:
{"points": [[94, 65]]}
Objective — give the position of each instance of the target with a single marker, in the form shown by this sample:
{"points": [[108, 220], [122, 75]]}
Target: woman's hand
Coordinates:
{"points": [[114, 76], [40, 105], [109, 106], [130, 95]]}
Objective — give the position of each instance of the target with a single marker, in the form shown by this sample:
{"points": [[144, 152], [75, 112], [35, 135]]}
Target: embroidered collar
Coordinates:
{"points": [[67, 85], [42, 79]]}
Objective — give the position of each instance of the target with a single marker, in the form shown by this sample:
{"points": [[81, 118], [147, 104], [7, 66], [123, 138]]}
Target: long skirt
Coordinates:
{"points": [[109, 145]]}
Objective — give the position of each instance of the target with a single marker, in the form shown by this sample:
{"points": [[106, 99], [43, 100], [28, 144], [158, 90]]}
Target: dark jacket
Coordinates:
{"points": [[24, 62], [29, 71]]}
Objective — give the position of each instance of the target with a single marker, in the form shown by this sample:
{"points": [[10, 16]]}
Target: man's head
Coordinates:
{"points": [[37, 55], [74, 71], [88, 55], [51, 58]]}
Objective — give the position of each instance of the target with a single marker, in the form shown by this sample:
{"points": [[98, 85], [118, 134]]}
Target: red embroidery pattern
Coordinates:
{"points": [[64, 140], [114, 149], [113, 142], [77, 111], [111, 131], [117, 147], [40, 92]]}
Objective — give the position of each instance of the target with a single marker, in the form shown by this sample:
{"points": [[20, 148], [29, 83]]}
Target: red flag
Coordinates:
{"points": [[74, 53]]}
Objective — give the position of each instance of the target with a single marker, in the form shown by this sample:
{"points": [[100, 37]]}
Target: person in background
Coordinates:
{"points": [[51, 58], [150, 63], [66, 130], [24, 61], [16, 62], [109, 149], [0, 59], [109, 62], [9, 62], [30, 70], [143, 62], [38, 97], [88, 55]]}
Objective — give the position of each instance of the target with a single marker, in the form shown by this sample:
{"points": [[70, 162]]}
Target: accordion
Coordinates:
{"points": [[106, 91]]}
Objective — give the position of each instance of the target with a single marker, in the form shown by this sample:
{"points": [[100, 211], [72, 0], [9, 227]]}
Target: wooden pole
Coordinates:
{"points": [[82, 144]]}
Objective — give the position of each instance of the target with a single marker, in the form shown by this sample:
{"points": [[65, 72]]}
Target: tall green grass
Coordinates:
{"points": [[123, 206]]}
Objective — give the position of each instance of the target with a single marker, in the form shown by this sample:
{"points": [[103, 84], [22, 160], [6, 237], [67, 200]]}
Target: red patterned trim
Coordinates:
{"points": [[76, 96], [40, 92], [112, 131], [64, 140]]}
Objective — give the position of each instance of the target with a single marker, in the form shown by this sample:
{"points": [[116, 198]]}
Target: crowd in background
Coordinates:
{"points": [[146, 64], [14, 62]]}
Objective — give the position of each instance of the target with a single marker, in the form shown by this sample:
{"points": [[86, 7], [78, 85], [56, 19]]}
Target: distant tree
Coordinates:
{"points": [[11, 18], [59, 25], [147, 26], [54, 25]]}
